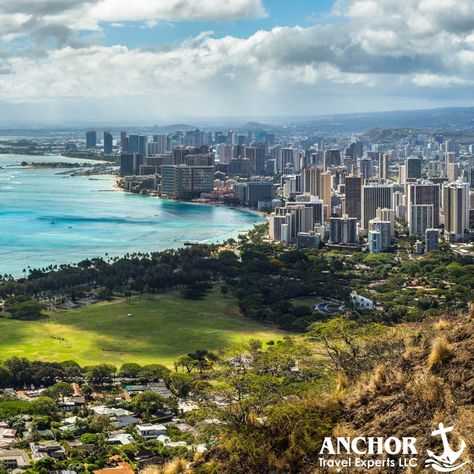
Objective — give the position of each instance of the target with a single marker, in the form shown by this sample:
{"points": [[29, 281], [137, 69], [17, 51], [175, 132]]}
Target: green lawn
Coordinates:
{"points": [[160, 330]]}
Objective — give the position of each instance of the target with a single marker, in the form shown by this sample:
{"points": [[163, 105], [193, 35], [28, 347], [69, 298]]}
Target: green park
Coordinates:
{"points": [[145, 330]]}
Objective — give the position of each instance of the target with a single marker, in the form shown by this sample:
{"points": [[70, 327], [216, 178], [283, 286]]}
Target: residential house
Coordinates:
{"points": [[14, 458], [47, 448], [120, 439], [150, 431]]}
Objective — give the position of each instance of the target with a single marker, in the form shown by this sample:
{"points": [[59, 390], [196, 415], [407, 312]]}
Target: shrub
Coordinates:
{"points": [[440, 352], [441, 325]]}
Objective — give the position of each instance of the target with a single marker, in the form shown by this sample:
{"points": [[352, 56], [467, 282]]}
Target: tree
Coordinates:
{"points": [[130, 369], [101, 374], [355, 348], [154, 371], [60, 390], [44, 406], [99, 424], [5, 377], [72, 369], [180, 384], [26, 310], [148, 403]]}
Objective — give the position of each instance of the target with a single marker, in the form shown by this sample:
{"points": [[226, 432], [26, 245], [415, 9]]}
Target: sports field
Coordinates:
{"points": [[150, 330]]}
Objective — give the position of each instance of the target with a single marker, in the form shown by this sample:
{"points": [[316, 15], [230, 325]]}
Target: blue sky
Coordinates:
{"points": [[280, 13], [154, 61]]}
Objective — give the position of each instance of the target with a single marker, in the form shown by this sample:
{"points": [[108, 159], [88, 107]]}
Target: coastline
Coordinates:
{"points": [[74, 219], [255, 212]]}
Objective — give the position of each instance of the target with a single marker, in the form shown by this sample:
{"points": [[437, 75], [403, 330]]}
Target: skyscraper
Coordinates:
{"points": [[130, 163], [161, 143], [91, 139], [332, 158], [260, 191], [137, 144], [456, 209], [352, 202], [420, 218], [186, 182], [365, 166], [413, 168], [343, 230], [108, 143], [374, 196], [124, 141], [422, 194], [325, 190], [431, 240], [385, 231], [384, 166], [312, 180]]}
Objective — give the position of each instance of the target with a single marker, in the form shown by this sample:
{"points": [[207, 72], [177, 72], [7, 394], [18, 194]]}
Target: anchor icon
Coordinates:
{"points": [[447, 461]]}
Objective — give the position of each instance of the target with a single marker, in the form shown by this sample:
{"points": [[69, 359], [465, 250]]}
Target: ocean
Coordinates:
{"points": [[47, 218]]}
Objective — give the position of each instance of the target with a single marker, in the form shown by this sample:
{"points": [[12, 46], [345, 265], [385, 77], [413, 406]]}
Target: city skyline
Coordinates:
{"points": [[100, 60]]}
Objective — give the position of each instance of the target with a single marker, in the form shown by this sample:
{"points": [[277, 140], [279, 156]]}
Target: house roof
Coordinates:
{"points": [[151, 427], [121, 468], [22, 459]]}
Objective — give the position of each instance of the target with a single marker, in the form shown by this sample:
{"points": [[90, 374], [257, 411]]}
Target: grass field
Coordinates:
{"points": [[159, 331]]}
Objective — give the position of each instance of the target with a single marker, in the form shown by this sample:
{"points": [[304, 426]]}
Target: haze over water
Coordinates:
{"points": [[48, 218]]}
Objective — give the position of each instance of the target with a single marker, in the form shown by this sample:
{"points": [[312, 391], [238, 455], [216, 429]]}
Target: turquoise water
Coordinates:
{"points": [[46, 218]]}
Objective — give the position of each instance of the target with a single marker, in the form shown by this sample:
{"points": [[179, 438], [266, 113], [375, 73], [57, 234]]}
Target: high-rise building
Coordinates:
{"points": [[240, 167], [108, 143], [260, 191], [456, 209], [130, 163], [387, 215], [186, 182], [374, 196], [137, 144], [422, 194], [153, 149], [332, 158], [312, 180], [161, 141], [287, 222], [352, 201], [452, 171], [256, 155], [374, 241], [399, 205], [325, 190], [124, 142], [315, 203], [384, 228], [194, 138], [431, 240], [343, 230], [420, 218], [290, 159], [365, 168], [413, 168], [384, 166], [91, 139]]}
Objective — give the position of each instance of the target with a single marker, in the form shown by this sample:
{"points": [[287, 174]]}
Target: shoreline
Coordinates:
{"points": [[255, 212], [171, 240]]}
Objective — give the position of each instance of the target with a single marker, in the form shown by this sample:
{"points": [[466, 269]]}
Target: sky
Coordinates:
{"points": [[159, 61]]}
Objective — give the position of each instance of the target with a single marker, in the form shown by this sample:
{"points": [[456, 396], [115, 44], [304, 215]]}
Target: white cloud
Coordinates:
{"points": [[384, 52], [23, 16]]}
